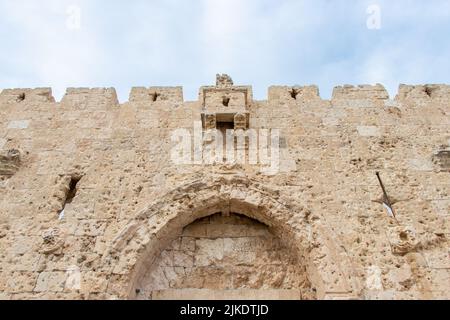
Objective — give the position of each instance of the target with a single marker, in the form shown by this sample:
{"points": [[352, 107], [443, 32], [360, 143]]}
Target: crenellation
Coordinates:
{"points": [[424, 92], [289, 94], [293, 94], [93, 203], [26, 95], [226, 96], [361, 92], [90, 96], [156, 94]]}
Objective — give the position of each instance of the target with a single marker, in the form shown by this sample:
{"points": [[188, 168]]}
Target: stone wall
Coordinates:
{"points": [[131, 201], [226, 255]]}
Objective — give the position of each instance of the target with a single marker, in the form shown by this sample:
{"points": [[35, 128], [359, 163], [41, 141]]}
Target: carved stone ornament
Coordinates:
{"points": [[403, 240], [52, 241], [223, 80]]}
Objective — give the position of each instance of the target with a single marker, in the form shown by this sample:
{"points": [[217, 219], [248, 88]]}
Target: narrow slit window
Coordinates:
{"points": [[294, 94], [71, 194], [155, 96]]}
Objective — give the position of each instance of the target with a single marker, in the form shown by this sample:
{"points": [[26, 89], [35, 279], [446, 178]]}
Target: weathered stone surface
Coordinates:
{"points": [[225, 260], [9, 162], [223, 80], [19, 124], [92, 205]]}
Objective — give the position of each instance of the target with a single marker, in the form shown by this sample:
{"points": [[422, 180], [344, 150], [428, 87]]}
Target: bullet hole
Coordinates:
{"points": [[226, 101], [138, 291]]}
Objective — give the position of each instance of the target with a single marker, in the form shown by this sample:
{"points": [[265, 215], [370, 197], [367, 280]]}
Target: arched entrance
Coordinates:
{"points": [[136, 253], [226, 256]]}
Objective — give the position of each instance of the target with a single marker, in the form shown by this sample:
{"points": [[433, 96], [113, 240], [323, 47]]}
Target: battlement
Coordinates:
{"points": [[420, 92], [233, 95], [78, 96], [27, 95], [298, 93], [236, 94], [99, 199], [156, 94], [361, 92]]}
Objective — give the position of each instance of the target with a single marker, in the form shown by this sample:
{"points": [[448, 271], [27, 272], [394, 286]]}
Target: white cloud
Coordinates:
{"points": [[259, 42], [55, 55]]}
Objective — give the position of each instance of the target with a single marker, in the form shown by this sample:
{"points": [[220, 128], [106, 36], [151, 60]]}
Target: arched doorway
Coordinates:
{"points": [[226, 256], [320, 260]]}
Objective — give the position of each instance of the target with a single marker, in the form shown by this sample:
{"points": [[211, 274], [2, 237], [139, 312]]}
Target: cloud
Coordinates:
{"points": [[259, 42], [48, 52]]}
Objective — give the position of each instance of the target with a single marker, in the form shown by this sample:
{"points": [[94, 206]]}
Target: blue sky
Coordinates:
{"points": [[258, 42]]}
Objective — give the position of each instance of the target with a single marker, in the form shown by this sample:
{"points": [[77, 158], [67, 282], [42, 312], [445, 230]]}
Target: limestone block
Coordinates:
{"points": [[188, 244], [423, 164], [235, 231], [84, 97], [360, 92], [421, 92], [25, 96], [369, 131], [438, 259], [293, 94], [92, 228], [158, 280], [17, 282], [183, 259], [236, 250], [4, 296], [93, 282], [51, 282], [19, 124], [209, 252], [442, 207], [374, 278], [441, 280], [167, 258], [9, 162], [2, 143]]}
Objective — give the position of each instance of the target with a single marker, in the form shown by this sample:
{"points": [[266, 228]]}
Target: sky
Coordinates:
{"points": [[121, 44]]}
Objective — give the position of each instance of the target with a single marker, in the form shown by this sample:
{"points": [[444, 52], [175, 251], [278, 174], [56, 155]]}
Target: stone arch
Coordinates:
{"points": [[154, 228]]}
